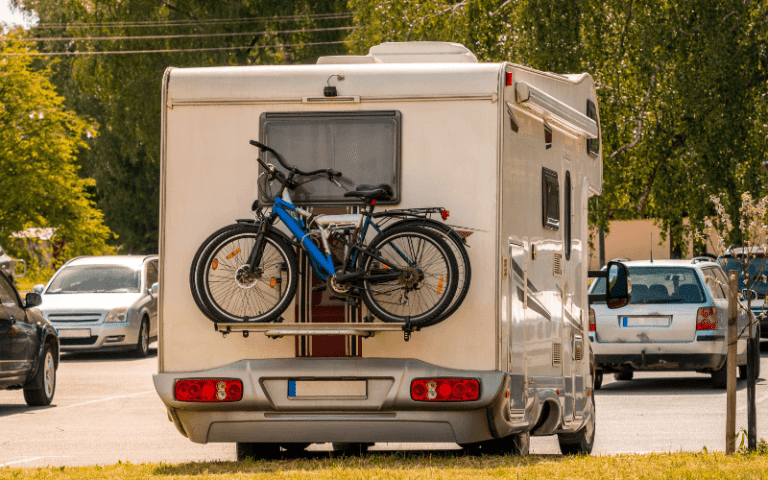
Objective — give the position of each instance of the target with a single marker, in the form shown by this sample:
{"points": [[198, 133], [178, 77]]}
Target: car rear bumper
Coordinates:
{"points": [[386, 413]]}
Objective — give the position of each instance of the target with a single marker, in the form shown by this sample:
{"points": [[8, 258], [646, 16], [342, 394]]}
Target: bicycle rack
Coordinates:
{"points": [[277, 330]]}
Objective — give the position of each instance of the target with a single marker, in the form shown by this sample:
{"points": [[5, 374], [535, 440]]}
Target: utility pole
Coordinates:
{"points": [[730, 421]]}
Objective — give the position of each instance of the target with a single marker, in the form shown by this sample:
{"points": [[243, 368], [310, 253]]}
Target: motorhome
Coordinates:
{"points": [[513, 154]]}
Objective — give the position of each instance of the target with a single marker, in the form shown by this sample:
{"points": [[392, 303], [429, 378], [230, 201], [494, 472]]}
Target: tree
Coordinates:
{"points": [[39, 143], [121, 92]]}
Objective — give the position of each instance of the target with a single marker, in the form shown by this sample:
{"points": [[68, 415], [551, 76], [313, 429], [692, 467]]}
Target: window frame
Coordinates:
{"points": [[593, 144], [324, 116], [568, 213], [549, 222]]}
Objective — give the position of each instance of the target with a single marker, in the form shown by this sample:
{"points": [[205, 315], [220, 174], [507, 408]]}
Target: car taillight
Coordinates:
{"points": [[208, 390], [706, 318], [445, 389], [591, 320]]}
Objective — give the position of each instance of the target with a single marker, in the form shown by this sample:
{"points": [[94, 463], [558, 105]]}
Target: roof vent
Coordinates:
{"points": [[407, 52]]}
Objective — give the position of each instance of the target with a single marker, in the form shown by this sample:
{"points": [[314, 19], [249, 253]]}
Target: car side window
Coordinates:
{"points": [[7, 294], [713, 283], [723, 281], [151, 274]]}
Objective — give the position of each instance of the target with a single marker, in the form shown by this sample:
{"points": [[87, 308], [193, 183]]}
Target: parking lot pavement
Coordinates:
{"points": [[106, 410]]}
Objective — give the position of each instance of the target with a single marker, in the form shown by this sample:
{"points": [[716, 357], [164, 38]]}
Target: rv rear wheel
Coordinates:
{"points": [[582, 441], [598, 379], [256, 451]]}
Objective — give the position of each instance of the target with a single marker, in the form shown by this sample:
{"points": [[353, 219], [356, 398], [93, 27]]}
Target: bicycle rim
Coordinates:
{"points": [[231, 293], [425, 290]]}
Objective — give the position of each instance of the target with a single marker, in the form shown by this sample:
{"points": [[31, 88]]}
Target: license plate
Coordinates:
{"points": [[630, 322], [75, 333], [327, 389]]}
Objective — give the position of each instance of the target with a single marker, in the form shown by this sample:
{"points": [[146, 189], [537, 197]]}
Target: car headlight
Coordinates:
{"points": [[117, 315]]}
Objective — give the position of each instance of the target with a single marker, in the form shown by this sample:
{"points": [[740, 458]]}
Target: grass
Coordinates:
{"points": [[651, 466]]}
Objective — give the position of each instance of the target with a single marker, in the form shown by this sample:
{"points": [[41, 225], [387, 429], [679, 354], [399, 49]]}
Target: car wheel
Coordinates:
{"points": [[256, 451], [582, 441], [512, 445], [720, 377], [624, 375], [39, 392], [598, 379], [142, 344], [742, 372]]}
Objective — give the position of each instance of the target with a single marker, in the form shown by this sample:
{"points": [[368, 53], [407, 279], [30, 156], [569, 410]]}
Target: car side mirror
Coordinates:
{"points": [[33, 299], [748, 294], [154, 288], [38, 288], [618, 285]]}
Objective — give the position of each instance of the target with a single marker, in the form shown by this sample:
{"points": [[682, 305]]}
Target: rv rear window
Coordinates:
{"points": [[363, 146], [593, 145], [550, 199]]}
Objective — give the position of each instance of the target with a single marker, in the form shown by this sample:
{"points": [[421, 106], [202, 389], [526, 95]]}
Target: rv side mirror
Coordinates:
{"points": [[619, 291], [619, 288]]}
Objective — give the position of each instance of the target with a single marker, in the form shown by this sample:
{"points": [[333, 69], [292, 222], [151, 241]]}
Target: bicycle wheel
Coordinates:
{"points": [[196, 259], [459, 250], [230, 293], [427, 280]]}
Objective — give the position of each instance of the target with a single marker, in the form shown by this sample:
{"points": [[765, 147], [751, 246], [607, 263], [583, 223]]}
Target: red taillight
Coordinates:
{"points": [[445, 214], [208, 390], [591, 320], [509, 79], [445, 389], [706, 318]]}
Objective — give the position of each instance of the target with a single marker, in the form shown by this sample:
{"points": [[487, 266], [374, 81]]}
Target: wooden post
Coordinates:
{"points": [[730, 422]]}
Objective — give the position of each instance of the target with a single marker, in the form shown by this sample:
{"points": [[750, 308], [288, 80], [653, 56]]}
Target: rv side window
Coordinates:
{"points": [[567, 213], [593, 145], [550, 199], [363, 146]]}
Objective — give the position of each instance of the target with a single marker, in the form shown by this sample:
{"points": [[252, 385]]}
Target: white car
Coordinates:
{"points": [[107, 302], [677, 320]]}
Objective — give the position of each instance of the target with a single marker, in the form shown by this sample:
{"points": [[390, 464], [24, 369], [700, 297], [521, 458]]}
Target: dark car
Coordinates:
{"points": [[758, 272], [29, 346]]}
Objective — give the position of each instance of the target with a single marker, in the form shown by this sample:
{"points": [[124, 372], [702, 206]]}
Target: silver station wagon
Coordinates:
{"points": [[677, 320], [107, 302]]}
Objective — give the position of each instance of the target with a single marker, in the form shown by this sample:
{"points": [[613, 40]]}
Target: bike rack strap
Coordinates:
{"points": [[273, 330]]}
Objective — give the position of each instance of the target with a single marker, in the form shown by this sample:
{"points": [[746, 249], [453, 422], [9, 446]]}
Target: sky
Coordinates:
{"points": [[14, 18]]}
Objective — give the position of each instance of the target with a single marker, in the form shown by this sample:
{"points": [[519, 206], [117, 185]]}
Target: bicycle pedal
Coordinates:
{"points": [[320, 287]]}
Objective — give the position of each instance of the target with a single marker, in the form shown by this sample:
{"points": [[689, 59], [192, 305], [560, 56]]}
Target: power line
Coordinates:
{"points": [[173, 50], [211, 21], [190, 35]]}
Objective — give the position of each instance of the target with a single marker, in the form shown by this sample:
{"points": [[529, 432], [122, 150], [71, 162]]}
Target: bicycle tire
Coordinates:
{"points": [[462, 259], [440, 283], [234, 298], [193, 268]]}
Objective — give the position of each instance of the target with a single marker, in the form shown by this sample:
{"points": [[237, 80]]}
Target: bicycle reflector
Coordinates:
{"points": [[208, 390], [445, 389], [445, 214], [706, 318]]}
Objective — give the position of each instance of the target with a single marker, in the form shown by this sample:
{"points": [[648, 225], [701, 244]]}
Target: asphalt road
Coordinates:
{"points": [[106, 410]]}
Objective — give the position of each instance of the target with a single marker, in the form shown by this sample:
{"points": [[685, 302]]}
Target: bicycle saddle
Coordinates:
{"points": [[381, 191]]}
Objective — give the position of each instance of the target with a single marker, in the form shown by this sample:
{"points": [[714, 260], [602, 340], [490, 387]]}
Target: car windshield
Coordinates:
{"points": [[660, 285], [757, 268], [95, 279]]}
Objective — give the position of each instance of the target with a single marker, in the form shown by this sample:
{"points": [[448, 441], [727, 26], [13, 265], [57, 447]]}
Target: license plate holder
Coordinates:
{"points": [[327, 389], [645, 322], [74, 332]]}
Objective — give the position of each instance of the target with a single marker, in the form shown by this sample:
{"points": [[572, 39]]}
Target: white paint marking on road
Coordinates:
{"points": [[106, 399], [32, 459]]}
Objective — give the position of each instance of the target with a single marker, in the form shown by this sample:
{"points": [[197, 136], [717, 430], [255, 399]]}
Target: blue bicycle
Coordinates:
{"points": [[248, 272]]}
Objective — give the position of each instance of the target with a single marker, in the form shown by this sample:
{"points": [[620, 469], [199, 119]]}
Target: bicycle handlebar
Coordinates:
{"points": [[327, 171]]}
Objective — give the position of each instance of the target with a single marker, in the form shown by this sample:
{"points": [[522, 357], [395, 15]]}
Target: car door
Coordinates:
{"points": [[151, 277], [17, 336]]}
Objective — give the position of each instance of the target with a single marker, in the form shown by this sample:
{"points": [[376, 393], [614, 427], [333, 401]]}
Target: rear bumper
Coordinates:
{"points": [[707, 352], [386, 414]]}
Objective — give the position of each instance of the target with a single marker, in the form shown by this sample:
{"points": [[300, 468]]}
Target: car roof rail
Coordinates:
{"points": [[702, 259]]}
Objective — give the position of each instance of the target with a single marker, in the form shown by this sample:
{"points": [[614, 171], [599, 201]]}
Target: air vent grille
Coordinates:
{"points": [[557, 264], [579, 352], [557, 354]]}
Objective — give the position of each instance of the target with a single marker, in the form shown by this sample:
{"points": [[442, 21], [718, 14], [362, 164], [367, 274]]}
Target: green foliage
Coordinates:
{"points": [[39, 142], [681, 85], [122, 92]]}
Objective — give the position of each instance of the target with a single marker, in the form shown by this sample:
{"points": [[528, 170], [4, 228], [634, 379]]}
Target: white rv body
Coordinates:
{"points": [[473, 141]]}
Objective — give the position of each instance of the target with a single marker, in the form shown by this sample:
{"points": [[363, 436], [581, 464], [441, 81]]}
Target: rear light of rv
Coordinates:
{"points": [[208, 390], [445, 389], [591, 320], [706, 318], [509, 79]]}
